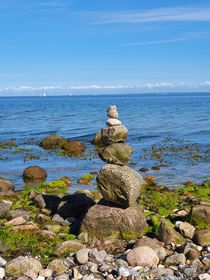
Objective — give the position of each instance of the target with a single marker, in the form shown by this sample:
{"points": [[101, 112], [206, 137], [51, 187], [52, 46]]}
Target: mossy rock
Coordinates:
{"points": [[200, 216], [118, 153], [52, 142]]}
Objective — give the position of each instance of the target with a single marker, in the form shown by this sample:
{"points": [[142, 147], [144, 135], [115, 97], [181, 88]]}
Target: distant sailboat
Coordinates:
{"points": [[44, 94]]}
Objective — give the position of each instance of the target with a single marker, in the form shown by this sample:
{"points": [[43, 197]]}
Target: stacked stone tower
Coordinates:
{"points": [[117, 215], [116, 181]]}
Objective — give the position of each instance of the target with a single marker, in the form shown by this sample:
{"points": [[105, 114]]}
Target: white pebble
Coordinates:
{"points": [[2, 273], [40, 277], [2, 262]]}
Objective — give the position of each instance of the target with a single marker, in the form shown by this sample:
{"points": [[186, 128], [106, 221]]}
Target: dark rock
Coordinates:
{"points": [[105, 222], [53, 141], [6, 187], [118, 153], [34, 173], [73, 147], [120, 184], [74, 205]]}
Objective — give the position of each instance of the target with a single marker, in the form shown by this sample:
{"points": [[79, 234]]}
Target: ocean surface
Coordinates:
{"points": [[179, 124]]}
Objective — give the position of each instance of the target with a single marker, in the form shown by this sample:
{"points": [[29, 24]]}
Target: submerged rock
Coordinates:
{"points": [[34, 173], [120, 184], [53, 141], [73, 147], [118, 153], [6, 187], [106, 222]]}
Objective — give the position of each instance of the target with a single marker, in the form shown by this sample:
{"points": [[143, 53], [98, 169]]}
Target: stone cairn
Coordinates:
{"points": [[117, 214]]}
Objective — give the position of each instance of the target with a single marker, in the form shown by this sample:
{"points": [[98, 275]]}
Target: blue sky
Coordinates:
{"points": [[86, 46]]}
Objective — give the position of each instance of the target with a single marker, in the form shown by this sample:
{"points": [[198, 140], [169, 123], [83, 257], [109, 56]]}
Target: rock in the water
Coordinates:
{"points": [[70, 246], [168, 234], [118, 153], [97, 139], [34, 173], [73, 147], [105, 222], [113, 122], [6, 187], [22, 266], [53, 141], [142, 256], [120, 184], [114, 134], [202, 237]]}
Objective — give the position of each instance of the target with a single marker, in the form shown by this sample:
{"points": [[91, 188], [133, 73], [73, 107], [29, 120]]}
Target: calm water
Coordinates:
{"points": [[150, 119]]}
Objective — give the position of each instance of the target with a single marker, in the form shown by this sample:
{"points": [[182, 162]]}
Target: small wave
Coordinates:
{"points": [[198, 132]]}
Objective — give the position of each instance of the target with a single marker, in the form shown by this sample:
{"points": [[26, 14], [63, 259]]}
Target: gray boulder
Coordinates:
{"points": [[111, 223], [120, 184]]}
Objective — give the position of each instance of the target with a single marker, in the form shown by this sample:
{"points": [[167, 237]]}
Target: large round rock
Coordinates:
{"points": [[106, 222], [119, 184], [118, 153], [33, 173]]}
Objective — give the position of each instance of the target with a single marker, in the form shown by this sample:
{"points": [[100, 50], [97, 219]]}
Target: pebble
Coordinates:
{"points": [[204, 276], [81, 256], [2, 262], [123, 272], [40, 277], [2, 272]]}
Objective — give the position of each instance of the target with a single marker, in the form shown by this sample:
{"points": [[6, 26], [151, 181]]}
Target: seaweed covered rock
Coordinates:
{"points": [[118, 153], [110, 222], [6, 187], [73, 147], [34, 173], [67, 247], [200, 216], [52, 142], [97, 139], [120, 184], [168, 234]]}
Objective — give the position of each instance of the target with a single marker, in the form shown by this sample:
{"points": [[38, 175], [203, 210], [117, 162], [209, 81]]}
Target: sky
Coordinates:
{"points": [[106, 46]]}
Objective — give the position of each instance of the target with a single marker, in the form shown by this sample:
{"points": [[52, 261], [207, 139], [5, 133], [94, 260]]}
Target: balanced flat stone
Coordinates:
{"points": [[114, 134], [120, 184], [113, 122]]}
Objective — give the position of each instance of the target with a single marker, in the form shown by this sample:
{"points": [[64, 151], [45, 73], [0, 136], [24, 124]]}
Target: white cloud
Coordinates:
{"points": [[149, 86], [169, 41], [153, 15]]}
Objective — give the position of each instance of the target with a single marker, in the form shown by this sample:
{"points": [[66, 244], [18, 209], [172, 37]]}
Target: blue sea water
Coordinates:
{"points": [[150, 118]]}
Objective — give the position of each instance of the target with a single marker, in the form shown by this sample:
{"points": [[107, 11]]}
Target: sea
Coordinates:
{"points": [[171, 131]]}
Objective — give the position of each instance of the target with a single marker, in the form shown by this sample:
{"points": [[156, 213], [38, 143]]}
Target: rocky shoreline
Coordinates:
{"points": [[130, 228]]}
